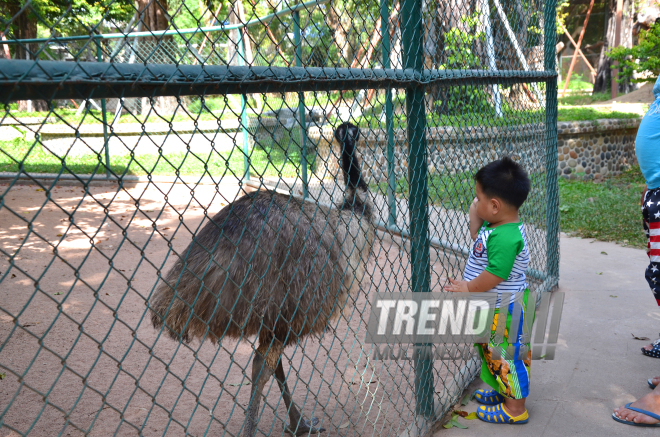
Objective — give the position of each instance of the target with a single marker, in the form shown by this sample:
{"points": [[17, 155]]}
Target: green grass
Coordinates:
{"points": [[33, 158], [607, 211], [587, 113], [219, 108], [451, 192], [583, 99]]}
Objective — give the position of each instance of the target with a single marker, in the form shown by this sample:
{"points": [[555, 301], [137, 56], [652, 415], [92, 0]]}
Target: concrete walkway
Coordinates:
{"points": [[598, 365]]}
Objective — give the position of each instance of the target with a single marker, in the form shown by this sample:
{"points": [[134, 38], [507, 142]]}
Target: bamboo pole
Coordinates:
{"points": [[570, 38], [577, 48]]}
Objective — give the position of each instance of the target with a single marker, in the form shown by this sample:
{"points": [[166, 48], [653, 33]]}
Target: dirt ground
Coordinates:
{"points": [[643, 95], [80, 356]]}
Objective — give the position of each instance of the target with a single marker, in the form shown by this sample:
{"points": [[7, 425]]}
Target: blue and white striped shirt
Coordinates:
{"points": [[503, 252]]}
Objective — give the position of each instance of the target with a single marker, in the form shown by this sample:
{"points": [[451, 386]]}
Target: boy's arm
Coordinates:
{"points": [[484, 282], [475, 222]]}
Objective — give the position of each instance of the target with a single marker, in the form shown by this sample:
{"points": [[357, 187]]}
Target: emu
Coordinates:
{"points": [[275, 267]]}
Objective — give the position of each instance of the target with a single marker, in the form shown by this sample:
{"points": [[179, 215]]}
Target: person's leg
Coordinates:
{"points": [[510, 371], [650, 402], [651, 223], [515, 407]]}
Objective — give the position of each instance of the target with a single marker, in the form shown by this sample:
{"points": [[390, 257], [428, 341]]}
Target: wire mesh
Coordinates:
{"points": [[116, 155]]}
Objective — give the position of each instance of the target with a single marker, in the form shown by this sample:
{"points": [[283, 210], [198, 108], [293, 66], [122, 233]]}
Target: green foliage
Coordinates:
{"points": [[607, 211], [459, 44], [459, 47], [643, 58]]}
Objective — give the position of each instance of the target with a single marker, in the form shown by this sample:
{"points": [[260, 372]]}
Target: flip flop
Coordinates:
{"points": [[497, 414], [488, 397], [655, 352], [647, 413], [650, 381]]}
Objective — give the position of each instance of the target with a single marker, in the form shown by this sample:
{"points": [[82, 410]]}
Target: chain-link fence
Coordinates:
{"points": [[184, 212]]}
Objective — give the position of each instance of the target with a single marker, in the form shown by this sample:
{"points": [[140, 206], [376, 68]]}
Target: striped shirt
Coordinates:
{"points": [[503, 252]]}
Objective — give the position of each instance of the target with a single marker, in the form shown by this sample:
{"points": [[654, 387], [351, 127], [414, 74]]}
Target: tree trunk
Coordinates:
{"points": [[337, 26], [24, 27], [153, 14], [155, 17], [604, 71], [443, 23]]}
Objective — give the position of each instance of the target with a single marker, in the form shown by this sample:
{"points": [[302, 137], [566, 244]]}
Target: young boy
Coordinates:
{"points": [[497, 263]]}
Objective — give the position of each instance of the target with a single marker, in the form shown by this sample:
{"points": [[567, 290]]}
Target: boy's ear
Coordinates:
{"points": [[495, 205]]}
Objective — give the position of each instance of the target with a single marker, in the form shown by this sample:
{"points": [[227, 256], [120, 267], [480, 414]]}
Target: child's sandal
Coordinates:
{"points": [[497, 414], [488, 397]]}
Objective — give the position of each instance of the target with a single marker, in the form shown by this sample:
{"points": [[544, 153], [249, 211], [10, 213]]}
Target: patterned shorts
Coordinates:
{"points": [[651, 215], [506, 372]]}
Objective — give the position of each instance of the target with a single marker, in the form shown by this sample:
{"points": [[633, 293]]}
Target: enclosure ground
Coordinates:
{"points": [[83, 337], [598, 365]]}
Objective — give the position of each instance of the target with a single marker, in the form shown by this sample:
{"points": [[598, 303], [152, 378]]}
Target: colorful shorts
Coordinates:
{"points": [[501, 366], [651, 215]]}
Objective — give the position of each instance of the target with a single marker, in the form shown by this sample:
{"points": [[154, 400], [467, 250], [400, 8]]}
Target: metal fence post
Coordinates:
{"points": [[389, 123], [244, 120], [301, 105], [411, 16], [99, 57], [551, 164]]}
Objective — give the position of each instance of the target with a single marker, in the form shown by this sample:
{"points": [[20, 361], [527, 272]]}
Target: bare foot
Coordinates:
{"points": [[650, 402], [649, 347]]}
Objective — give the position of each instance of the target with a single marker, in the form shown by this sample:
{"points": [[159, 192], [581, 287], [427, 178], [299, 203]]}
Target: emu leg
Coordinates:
{"points": [[298, 425], [261, 373]]}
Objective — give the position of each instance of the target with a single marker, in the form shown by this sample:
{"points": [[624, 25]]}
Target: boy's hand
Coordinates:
{"points": [[457, 286], [475, 221]]}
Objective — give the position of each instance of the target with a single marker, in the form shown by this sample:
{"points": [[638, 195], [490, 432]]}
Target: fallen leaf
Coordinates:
{"points": [[2, 376], [471, 416], [458, 424], [611, 295], [467, 398], [640, 338], [13, 276], [164, 229], [39, 189], [599, 273], [233, 384], [57, 294], [27, 325], [59, 235], [603, 253], [461, 413], [344, 425], [448, 425]]}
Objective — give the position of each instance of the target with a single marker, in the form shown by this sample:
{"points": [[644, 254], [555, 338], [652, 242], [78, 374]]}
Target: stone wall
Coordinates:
{"points": [[595, 149], [586, 149], [451, 150]]}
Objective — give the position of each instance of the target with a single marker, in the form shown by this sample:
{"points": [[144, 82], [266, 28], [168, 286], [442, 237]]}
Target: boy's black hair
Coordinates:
{"points": [[504, 179]]}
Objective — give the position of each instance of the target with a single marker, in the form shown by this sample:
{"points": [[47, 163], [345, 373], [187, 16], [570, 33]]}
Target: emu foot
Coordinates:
{"points": [[305, 427]]}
